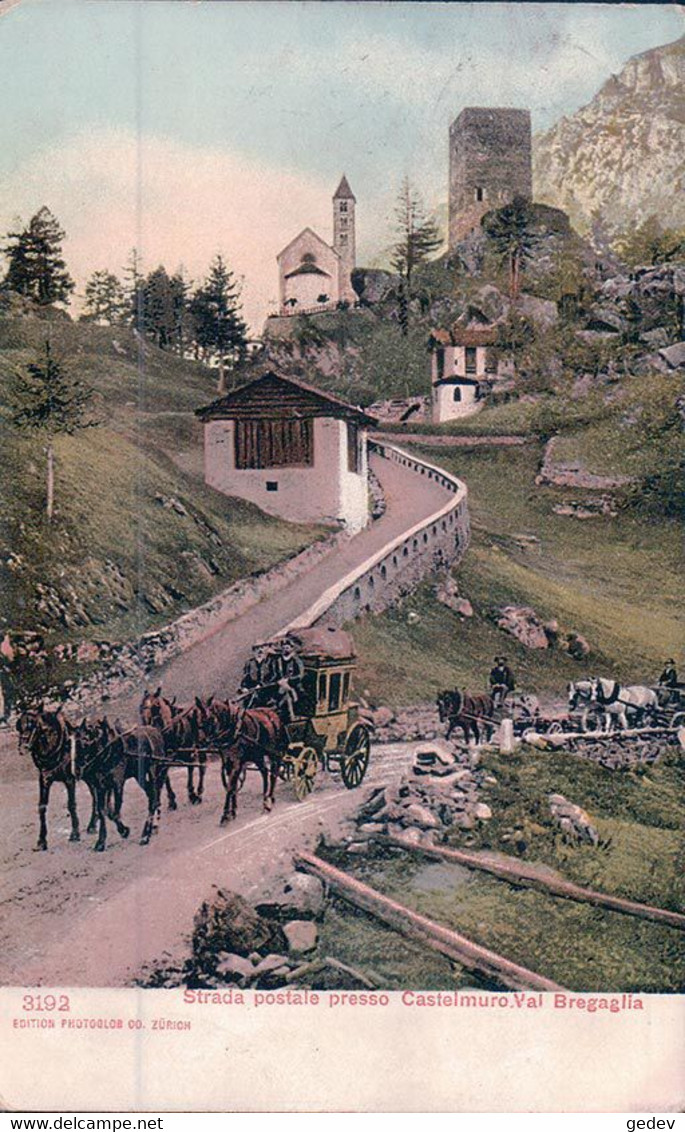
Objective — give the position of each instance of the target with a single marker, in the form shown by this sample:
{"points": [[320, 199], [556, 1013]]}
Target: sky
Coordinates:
{"points": [[185, 127]]}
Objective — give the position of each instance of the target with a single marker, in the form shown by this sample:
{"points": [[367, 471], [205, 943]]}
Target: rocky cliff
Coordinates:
{"points": [[623, 155]]}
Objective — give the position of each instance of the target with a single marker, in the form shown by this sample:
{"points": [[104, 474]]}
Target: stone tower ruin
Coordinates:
{"points": [[344, 202], [490, 164]]}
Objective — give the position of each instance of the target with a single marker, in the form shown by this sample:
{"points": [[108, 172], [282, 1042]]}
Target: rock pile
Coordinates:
{"points": [[419, 721], [572, 820], [442, 790], [447, 593]]}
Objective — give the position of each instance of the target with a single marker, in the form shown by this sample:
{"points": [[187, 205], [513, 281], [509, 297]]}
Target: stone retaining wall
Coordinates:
{"points": [[435, 543]]}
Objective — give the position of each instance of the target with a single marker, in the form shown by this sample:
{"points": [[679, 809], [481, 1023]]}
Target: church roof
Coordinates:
{"points": [[305, 232], [343, 191], [273, 396]]}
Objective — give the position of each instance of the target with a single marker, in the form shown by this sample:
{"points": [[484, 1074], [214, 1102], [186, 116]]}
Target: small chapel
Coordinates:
{"points": [[314, 275]]}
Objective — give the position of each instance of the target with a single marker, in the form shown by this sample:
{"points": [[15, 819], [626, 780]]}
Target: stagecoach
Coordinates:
{"points": [[327, 731]]}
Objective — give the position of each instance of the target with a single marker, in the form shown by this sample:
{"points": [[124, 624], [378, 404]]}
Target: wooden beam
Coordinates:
{"points": [[426, 932], [520, 874]]}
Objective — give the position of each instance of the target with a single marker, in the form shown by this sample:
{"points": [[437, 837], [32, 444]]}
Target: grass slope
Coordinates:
{"points": [[617, 581], [137, 536]]}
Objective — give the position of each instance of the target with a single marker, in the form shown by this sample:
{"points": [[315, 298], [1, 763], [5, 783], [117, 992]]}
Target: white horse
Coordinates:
{"points": [[580, 695], [615, 700]]}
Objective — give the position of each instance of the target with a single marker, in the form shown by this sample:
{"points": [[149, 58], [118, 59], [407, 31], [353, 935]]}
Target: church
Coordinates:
{"points": [[314, 275]]}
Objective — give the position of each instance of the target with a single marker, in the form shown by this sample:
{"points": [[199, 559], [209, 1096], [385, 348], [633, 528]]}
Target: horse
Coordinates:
{"points": [[580, 692], [108, 757], [247, 735], [614, 700], [48, 737], [466, 710], [181, 729]]}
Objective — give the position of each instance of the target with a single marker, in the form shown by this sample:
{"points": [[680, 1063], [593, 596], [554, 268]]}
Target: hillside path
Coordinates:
{"points": [[215, 664], [440, 440]]}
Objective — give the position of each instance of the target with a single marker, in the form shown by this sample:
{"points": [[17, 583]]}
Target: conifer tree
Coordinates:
{"points": [[48, 401], [36, 265], [511, 234], [217, 314], [105, 299], [417, 238]]}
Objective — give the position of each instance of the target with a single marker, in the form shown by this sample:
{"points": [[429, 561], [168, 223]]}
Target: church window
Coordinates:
{"points": [[343, 222], [343, 206], [343, 237], [471, 359], [480, 193], [308, 257], [456, 396], [274, 444]]}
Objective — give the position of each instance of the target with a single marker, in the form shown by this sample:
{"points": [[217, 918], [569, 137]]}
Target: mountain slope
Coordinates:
{"points": [[623, 155], [137, 536]]}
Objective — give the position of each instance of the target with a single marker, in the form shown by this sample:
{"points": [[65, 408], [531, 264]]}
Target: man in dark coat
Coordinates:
{"points": [[289, 673], [259, 680], [669, 676], [501, 680]]}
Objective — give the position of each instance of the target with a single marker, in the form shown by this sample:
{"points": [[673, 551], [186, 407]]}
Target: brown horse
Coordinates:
{"points": [[107, 757], [48, 738], [467, 710], [247, 735], [182, 730]]}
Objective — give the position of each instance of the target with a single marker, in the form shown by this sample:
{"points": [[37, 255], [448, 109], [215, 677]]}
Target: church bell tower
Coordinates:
{"points": [[344, 202]]}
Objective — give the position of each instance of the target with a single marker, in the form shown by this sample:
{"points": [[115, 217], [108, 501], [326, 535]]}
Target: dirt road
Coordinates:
{"points": [[215, 665], [73, 917]]}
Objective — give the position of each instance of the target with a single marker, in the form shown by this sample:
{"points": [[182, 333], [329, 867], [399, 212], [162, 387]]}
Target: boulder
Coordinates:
{"points": [[298, 895], [382, 716], [229, 924], [302, 936], [543, 313], [436, 752], [410, 836], [447, 593], [674, 356], [482, 811], [234, 968], [418, 815], [524, 624]]}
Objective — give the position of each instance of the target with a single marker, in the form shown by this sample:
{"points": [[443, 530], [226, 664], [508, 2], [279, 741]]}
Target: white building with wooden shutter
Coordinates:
{"points": [[292, 449], [459, 368]]}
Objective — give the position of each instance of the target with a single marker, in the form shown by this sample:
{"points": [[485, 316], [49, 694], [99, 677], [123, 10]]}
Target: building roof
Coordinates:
{"points": [[464, 335], [275, 397], [343, 191], [305, 232]]}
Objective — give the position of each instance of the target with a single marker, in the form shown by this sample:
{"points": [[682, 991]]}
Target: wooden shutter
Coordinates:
{"points": [[274, 444]]}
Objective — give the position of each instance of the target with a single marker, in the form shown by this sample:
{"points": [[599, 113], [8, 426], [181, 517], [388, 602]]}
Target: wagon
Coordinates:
{"points": [[671, 710], [328, 732]]}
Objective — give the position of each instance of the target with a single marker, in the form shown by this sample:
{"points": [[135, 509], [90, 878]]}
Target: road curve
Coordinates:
{"points": [[215, 664]]}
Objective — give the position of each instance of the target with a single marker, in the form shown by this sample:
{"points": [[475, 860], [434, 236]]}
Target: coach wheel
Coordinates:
{"points": [[678, 720], [304, 768], [355, 759], [555, 728]]}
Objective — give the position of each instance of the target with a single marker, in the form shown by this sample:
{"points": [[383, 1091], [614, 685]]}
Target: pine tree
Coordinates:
{"points": [[47, 400], [159, 307], [217, 314], [510, 230], [36, 266], [418, 237], [133, 289], [105, 299]]}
